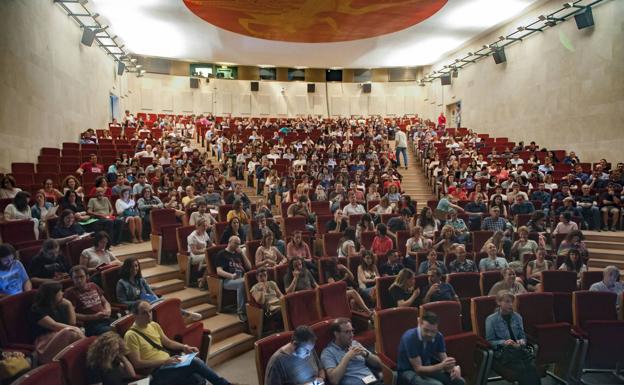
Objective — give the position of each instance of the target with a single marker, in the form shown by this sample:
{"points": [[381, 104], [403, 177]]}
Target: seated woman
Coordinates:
{"points": [[8, 187], [132, 287], [565, 224], [267, 255], [98, 255], [233, 228], [66, 228], [574, 262], [198, 241], [238, 212], [414, 245], [535, 268], [367, 274], [18, 210], [427, 222], [71, 183], [521, 248], [505, 332], [431, 261], [365, 224], [298, 277], [126, 209], [48, 264], [393, 195], [383, 207], [298, 248], [335, 272], [42, 210], [446, 241], [498, 240], [203, 212], [266, 293], [52, 319], [71, 201], [101, 181], [508, 283], [403, 290], [382, 242], [348, 246], [50, 192], [145, 204], [573, 240], [107, 363]]}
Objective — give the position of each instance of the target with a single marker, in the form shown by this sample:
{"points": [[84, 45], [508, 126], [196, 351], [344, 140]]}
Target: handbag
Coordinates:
{"points": [[12, 364], [509, 355]]}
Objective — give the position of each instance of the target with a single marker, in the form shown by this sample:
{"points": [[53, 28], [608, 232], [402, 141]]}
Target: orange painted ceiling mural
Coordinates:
{"points": [[314, 21]]}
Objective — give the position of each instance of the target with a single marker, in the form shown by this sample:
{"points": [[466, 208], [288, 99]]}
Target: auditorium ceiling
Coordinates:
{"points": [[304, 33]]}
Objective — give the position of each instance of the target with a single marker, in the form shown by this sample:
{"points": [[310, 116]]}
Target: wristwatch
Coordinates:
{"points": [[367, 354]]}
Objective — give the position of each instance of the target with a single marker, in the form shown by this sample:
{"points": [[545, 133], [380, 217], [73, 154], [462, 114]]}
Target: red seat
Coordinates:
{"points": [[480, 309], [299, 308], [223, 210], [124, 323], [552, 337], [20, 234], [321, 222], [73, 360], [488, 279], [367, 239], [595, 319], [15, 334], [217, 294], [382, 292], [50, 151], [264, 350], [250, 248], [49, 168], [320, 208], [386, 217], [255, 311], [402, 237], [167, 314], [22, 168], [184, 262], [110, 277], [163, 234], [559, 281], [479, 238], [459, 344], [49, 374], [390, 325], [330, 244], [322, 331], [588, 278], [292, 224], [74, 249], [333, 303]]}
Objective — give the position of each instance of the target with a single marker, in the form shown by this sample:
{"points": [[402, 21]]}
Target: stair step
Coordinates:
{"points": [[189, 296], [160, 273], [205, 309], [230, 347], [600, 263], [595, 251], [136, 250], [147, 262], [222, 326], [168, 286], [605, 245], [606, 236]]}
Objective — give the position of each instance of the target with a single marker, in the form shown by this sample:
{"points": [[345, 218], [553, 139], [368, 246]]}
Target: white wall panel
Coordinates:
{"points": [[147, 99], [377, 105], [167, 100], [394, 105], [264, 104], [320, 108], [244, 104], [186, 102]]}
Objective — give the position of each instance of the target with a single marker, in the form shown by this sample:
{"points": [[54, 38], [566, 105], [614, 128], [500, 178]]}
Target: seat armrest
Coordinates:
{"points": [[387, 361]]}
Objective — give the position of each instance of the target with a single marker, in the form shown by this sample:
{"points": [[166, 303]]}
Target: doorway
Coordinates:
{"points": [[114, 107], [453, 114]]}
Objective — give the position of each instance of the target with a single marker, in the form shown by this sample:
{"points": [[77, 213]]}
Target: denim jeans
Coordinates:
{"points": [[238, 285], [195, 373], [409, 377], [398, 151]]}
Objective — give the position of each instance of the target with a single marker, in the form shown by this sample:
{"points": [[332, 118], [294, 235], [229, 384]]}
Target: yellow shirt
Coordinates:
{"points": [[136, 343], [242, 216]]}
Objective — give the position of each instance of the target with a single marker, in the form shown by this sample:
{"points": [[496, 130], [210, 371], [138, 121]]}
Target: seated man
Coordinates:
{"points": [[437, 290], [476, 210], [493, 261], [92, 309], [393, 264], [353, 207], [231, 266], [101, 208], [301, 209], [264, 226], [521, 206], [239, 194], [497, 223], [92, 166], [147, 347], [296, 362], [461, 264], [345, 360], [213, 198], [339, 224], [610, 283], [141, 183], [422, 358], [400, 223], [13, 276]]}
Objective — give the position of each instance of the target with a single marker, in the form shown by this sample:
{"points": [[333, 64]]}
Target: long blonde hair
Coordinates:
{"points": [[402, 278], [104, 350]]}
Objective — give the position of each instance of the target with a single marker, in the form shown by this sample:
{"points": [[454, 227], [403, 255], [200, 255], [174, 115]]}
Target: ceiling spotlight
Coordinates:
{"points": [[542, 17], [133, 60], [457, 60], [83, 2], [95, 15], [139, 66], [469, 53], [486, 46], [551, 23], [568, 5], [141, 71], [520, 28], [501, 38]]}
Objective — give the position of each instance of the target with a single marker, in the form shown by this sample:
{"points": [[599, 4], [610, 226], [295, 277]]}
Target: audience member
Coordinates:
{"points": [[231, 266], [508, 283], [92, 308], [49, 263], [437, 290], [13, 276], [403, 290], [107, 363]]}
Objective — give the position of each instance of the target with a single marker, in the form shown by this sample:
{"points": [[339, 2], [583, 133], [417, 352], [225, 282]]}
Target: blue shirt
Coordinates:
{"points": [[497, 332], [445, 292], [412, 346], [12, 280], [356, 368]]}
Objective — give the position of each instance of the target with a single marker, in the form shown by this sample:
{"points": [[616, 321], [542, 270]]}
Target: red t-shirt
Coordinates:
{"points": [[381, 245], [88, 301], [90, 167]]}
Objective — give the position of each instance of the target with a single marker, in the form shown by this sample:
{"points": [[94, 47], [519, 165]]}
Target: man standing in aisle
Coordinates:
{"points": [[400, 141]]}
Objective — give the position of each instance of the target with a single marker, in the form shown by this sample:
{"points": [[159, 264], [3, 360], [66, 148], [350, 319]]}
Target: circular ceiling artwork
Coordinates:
{"points": [[314, 21]]}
